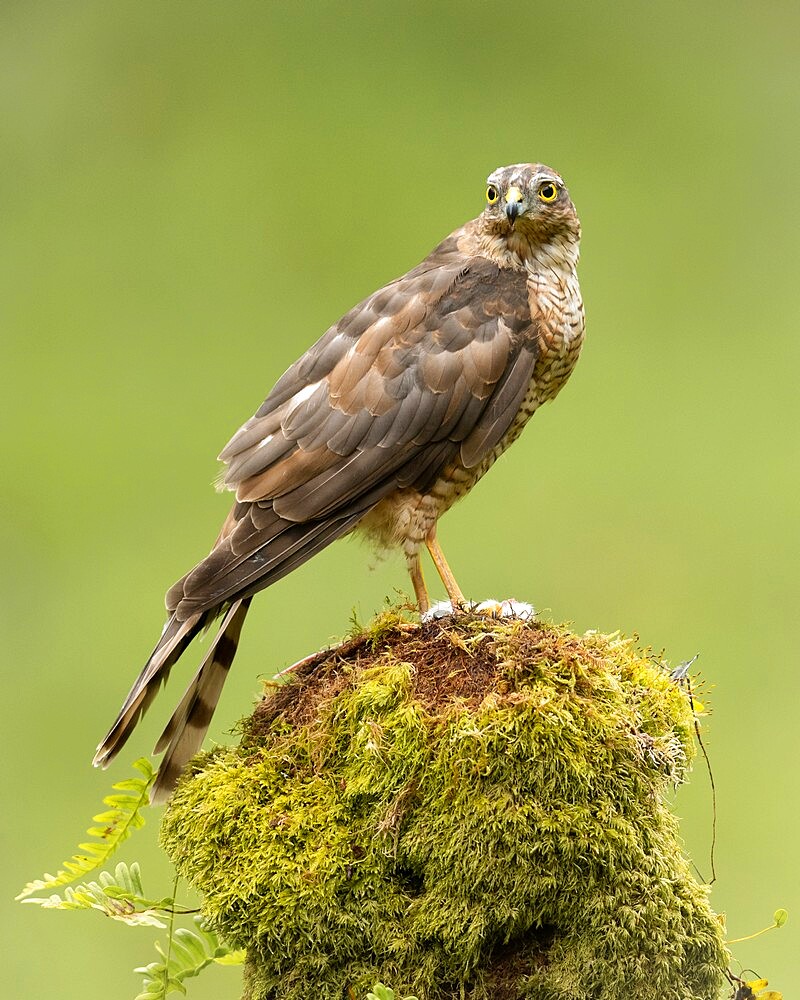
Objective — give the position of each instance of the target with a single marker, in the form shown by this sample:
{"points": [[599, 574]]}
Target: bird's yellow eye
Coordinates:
{"points": [[548, 192], [492, 194]]}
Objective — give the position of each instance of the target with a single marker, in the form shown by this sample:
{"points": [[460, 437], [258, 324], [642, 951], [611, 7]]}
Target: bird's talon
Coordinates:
{"points": [[509, 608], [441, 609], [490, 608]]}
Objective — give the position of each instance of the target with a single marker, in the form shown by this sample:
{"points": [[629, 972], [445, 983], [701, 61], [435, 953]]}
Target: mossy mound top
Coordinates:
{"points": [[465, 809]]}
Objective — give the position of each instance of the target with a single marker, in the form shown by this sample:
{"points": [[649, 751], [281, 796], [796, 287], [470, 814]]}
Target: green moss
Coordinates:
{"points": [[471, 809]]}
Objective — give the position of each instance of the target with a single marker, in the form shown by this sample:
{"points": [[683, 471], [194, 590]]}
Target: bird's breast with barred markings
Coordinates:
{"points": [[557, 323]]}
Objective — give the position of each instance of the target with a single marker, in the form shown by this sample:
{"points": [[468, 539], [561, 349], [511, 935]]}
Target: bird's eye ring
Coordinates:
{"points": [[548, 192], [492, 194]]}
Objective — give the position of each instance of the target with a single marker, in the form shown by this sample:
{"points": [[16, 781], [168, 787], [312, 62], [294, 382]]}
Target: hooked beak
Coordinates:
{"points": [[514, 203]]}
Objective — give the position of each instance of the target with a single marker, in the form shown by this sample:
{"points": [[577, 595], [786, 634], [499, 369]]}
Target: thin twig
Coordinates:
{"points": [[681, 675], [712, 853], [169, 935]]}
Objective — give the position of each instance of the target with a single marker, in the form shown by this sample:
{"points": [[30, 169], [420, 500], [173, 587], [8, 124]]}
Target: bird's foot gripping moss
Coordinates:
{"points": [[509, 608], [467, 808]]}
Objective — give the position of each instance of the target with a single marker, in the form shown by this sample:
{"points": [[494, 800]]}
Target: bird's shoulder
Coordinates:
{"points": [[455, 285], [439, 338]]}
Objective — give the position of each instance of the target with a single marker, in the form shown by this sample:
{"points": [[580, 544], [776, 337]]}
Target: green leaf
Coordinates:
{"points": [[185, 954], [232, 957], [381, 992], [780, 917], [114, 827], [110, 895]]}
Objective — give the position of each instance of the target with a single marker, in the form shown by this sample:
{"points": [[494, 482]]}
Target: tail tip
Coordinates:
{"points": [[102, 756]]}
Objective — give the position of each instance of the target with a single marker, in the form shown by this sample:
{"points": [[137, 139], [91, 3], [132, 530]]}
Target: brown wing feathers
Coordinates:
{"points": [[437, 361]]}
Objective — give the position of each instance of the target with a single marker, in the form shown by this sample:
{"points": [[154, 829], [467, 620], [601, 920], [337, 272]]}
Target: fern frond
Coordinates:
{"points": [[112, 828], [119, 896], [187, 953]]}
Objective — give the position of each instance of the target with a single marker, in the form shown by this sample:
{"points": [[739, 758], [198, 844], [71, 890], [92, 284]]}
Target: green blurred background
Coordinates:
{"points": [[192, 192]]}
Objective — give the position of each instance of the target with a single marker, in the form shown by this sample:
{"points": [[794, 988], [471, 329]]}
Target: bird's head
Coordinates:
{"points": [[529, 200]]}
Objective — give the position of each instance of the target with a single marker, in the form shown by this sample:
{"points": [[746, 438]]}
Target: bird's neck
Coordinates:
{"points": [[523, 249]]}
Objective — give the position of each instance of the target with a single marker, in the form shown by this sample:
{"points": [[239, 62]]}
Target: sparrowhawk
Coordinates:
{"points": [[394, 413]]}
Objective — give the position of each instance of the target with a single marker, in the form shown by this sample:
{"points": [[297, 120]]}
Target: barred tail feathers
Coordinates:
{"points": [[185, 731], [173, 641]]}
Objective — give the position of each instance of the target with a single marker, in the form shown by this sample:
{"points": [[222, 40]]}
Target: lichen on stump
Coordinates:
{"points": [[468, 808]]}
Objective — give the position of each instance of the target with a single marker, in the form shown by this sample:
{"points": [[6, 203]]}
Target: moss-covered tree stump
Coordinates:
{"points": [[469, 808]]}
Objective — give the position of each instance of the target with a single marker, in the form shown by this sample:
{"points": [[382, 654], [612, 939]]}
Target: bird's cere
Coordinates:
{"points": [[514, 202]]}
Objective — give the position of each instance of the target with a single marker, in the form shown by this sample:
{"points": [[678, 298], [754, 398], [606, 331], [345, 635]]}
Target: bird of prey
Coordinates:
{"points": [[393, 415]]}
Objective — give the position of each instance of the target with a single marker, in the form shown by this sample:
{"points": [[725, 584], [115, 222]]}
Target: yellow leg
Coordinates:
{"points": [[457, 599], [418, 582]]}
